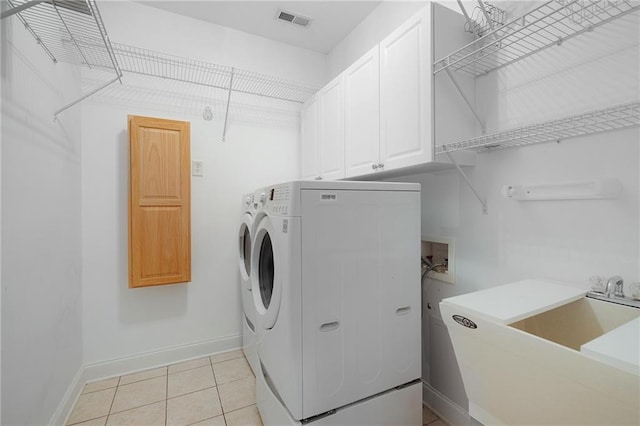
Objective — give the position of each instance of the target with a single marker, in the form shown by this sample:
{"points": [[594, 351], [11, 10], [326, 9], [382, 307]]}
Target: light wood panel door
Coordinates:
{"points": [[159, 202]]}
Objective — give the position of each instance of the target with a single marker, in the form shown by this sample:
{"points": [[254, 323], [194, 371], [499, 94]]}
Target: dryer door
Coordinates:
{"points": [[266, 280], [244, 249]]}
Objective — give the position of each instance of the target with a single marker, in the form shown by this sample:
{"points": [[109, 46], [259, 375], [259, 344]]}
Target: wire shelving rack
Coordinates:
{"points": [[607, 119], [60, 27], [72, 31], [547, 25], [147, 62]]}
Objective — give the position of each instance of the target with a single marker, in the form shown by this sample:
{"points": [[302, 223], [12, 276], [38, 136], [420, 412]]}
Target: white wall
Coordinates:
{"points": [[560, 240], [375, 27], [41, 244], [150, 28], [261, 148], [380, 23], [567, 240]]}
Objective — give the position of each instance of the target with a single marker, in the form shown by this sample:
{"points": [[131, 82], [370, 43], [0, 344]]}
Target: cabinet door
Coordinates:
{"points": [[159, 202], [309, 146], [332, 129], [362, 115], [405, 94]]}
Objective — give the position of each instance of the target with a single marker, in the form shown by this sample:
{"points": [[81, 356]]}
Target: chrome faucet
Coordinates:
{"points": [[617, 287]]}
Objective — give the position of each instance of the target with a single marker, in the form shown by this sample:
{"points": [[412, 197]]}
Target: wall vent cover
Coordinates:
{"points": [[294, 18]]}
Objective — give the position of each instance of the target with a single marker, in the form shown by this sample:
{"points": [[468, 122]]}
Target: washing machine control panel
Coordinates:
{"points": [[276, 199]]}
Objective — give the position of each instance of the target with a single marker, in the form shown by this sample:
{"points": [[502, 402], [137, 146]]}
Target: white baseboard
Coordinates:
{"points": [[143, 361], [68, 400], [159, 358], [444, 407]]}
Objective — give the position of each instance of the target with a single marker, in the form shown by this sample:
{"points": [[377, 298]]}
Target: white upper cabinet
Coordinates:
{"points": [[309, 133], [405, 94], [362, 115], [379, 115], [331, 99]]}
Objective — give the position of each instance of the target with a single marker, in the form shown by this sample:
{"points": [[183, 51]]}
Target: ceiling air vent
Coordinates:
{"points": [[294, 18]]}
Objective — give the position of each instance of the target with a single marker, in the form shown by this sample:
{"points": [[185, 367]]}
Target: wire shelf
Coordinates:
{"points": [[545, 26], [612, 118], [147, 62], [63, 29], [480, 23], [72, 31]]}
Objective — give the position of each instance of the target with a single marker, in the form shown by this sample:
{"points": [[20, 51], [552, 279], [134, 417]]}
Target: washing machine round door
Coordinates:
{"points": [[266, 280], [244, 250]]}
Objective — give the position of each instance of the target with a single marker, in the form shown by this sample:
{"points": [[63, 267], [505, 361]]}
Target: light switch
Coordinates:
{"points": [[197, 168]]}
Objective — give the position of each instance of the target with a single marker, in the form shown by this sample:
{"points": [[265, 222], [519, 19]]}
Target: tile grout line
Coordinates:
{"points": [[191, 392], [93, 418], [208, 418], [237, 380], [166, 374], [99, 390], [142, 380], [255, 403], [433, 421], [224, 419], [242, 408], [112, 401], [166, 367], [133, 408], [166, 399]]}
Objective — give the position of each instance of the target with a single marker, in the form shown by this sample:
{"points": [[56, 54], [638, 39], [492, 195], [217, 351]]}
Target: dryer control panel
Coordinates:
{"points": [[275, 199]]}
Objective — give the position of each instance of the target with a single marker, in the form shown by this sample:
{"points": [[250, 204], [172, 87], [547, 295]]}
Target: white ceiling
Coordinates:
{"points": [[331, 20]]}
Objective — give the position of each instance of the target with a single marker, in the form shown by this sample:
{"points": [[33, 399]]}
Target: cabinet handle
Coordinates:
{"points": [[374, 166]]}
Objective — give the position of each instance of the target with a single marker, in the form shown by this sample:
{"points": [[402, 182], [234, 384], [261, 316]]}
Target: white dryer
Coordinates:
{"points": [[245, 235], [336, 286]]}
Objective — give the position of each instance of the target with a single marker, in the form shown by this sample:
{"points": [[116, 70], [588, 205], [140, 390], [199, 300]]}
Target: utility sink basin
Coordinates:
{"points": [[540, 352], [583, 324]]}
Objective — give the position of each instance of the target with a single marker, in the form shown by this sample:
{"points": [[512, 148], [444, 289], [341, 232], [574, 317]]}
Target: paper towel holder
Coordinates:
{"points": [[588, 189]]}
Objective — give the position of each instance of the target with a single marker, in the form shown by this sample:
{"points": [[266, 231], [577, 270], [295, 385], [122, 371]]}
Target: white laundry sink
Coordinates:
{"points": [[540, 352]]}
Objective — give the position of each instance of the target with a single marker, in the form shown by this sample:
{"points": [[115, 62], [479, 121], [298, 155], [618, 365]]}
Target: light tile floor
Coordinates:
{"points": [[213, 391], [431, 419]]}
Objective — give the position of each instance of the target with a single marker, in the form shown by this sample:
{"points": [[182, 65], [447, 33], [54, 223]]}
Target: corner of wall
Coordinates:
{"points": [[445, 408], [69, 399]]}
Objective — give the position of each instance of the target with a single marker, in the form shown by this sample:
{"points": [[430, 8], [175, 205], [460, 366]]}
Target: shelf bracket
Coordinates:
{"points": [[468, 19], [226, 113], [483, 127], [19, 8], [468, 182], [85, 96]]}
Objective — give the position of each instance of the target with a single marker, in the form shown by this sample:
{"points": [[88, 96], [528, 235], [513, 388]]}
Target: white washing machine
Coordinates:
{"points": [[336, 287], [245, 234]]}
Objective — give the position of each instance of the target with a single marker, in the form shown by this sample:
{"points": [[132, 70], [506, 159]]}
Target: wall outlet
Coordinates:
{"points": [[197, 168]]}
